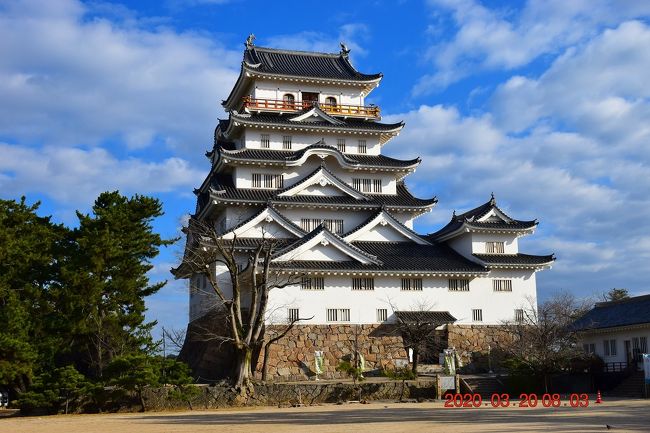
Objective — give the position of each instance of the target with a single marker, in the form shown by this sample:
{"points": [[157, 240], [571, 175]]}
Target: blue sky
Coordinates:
{"points": [[544, 103]]}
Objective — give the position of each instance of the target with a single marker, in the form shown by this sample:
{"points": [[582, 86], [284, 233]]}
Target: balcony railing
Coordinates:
{"points": [[337, 110]]}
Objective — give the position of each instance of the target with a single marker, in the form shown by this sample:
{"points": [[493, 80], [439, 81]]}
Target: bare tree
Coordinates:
{"points": [[543, 341], [417, 327], [251, 277]]}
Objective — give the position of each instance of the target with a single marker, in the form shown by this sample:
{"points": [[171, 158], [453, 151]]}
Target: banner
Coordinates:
{"points": [[646, 367]]}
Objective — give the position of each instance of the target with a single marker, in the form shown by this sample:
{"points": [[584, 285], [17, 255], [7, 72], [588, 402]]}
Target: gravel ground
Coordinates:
{"points": [[381, 417]]}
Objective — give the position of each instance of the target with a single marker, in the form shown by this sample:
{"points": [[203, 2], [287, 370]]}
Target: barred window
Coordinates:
{"points": [[314, 283], [519, 315], [363, 284], [294, 314], [340, 144], [257, 180], [265, 139], [477, 315], [609, 347], [502, 285], [494, 247], [411, 284], [363, 185], [606, 347], [363, 148], [458, 285], [338, 314], [382, 314], [589, 348], [286, 142], [376, 185], [335, 226]]}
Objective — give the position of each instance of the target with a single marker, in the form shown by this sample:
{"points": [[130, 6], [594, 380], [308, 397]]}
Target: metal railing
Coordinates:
{"points": [[335, 109]]}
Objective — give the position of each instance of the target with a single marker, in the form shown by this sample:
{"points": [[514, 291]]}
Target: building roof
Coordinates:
{"points": [[271, 61], [433, 317], [404, 257], [626, 312], [472, 220], [228, 194], [284, 157], [285, 121], [515, 260]]}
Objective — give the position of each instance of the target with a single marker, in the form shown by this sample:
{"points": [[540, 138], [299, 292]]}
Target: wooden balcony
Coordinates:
{"points": [[371, 111]]}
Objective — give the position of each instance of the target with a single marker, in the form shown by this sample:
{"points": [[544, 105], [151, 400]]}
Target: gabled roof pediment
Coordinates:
{"points": [[315, 114], [268, 221], [383, 227], [323, 245], [325, 179]]}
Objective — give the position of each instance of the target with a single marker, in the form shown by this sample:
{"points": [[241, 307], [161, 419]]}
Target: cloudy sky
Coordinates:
{"points": [[545, 103]]}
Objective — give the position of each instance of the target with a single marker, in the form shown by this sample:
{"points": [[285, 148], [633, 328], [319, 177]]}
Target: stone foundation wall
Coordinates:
{"points": [[292, 357], [472, 341]]}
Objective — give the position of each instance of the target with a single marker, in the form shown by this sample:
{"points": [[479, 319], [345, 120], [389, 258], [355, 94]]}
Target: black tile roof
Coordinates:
{"points": [[397, 256], [284, 120], [470, 218], [433, 317], [303, 64], [626, 312], [403, 198], [281, 156], [515, 259]]}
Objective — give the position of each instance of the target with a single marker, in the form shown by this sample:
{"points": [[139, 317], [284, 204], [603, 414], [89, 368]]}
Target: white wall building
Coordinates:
{"points": [[299, 159]]}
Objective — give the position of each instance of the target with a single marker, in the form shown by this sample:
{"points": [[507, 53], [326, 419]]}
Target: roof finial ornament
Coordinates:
{"points": [[250, 41], [453, 215], [493, 201], [345, 51]]}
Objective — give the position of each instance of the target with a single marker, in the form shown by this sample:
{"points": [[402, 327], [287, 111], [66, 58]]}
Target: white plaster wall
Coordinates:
{"points": [[497, 307], [237, 215], [381, 233], [479, 239], [252, 139], [267, 89], [203, 299], [620, 336], [292, 175]]}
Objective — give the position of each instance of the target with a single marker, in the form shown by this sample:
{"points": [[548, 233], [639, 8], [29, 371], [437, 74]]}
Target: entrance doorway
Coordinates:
{"points": [[308, 98]]}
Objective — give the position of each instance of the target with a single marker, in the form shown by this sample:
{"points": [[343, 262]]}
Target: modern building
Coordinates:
{"points": [[617, 331], [299, 159]]}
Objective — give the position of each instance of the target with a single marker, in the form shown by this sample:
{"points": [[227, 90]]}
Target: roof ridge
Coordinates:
{"points": [[300, 52], [622, 301]]}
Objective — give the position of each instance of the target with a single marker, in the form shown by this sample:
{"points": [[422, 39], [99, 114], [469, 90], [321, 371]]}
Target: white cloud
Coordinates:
{"points": [[76, 176], [69, 77], [504, 39]]}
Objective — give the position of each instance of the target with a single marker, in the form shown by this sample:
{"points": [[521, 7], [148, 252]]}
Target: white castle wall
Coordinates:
{"points": [[251, 139], [267, 89], [435, 295]]}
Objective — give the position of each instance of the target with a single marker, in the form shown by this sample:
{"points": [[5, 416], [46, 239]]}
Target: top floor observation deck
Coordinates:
{"points": [[329, 105]]}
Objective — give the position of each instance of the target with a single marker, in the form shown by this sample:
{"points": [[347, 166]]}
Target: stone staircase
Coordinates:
{"points": [[486, 385], [632, 386]]}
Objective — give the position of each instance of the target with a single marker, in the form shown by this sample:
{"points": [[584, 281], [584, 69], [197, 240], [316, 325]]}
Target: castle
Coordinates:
{"points": [[299, 159]]}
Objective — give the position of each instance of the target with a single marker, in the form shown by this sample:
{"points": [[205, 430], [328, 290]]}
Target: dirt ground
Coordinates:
{"points": [[376, 417]]}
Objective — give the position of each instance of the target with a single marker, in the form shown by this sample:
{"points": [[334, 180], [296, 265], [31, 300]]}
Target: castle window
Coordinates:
{"points": [[409, 284], [338, 314], [270, 181], [589, 348], [494, 247], [363, 284], [315, 283], [265, 141], [382, 314], [289, 100], [363, 147], [340, 144], [477, 315], [458, 285], [376, 185], [294, 314], [286, 142], [335, 226], [363, 185], [330, 100], [519, 315], [502, 285]]}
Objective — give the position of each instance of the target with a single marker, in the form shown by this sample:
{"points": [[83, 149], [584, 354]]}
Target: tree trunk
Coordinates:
{"points": [[265, 362], [416, 355], [243, 368], [141, 398]]}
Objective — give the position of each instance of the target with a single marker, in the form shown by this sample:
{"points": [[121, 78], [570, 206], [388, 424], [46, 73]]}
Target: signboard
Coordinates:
{"points": [[646, 367], [447, 382]]}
